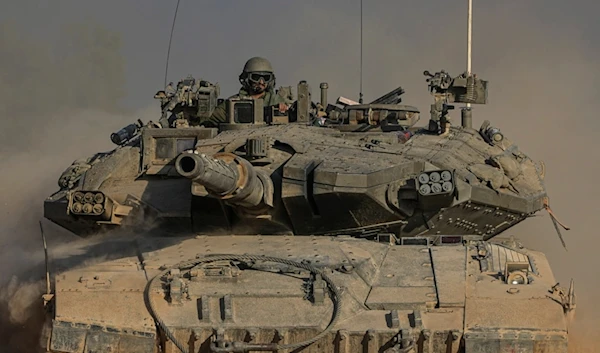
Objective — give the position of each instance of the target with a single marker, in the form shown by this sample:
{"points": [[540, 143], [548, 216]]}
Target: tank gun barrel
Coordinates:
{"points": [[228, 177], [214, 174]]}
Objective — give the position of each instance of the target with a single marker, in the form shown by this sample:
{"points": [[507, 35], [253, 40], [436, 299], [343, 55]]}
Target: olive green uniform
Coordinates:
{"points": [[219, 115]]}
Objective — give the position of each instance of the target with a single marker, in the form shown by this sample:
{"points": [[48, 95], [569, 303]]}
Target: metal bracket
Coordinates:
{"points": [[176, 288], [318, 290], [217, 269]]}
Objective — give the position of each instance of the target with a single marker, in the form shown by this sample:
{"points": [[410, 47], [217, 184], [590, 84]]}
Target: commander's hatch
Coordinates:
{"points": [[160, 147]]}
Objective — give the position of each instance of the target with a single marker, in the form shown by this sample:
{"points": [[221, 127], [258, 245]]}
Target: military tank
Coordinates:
{"points": [[329, 228]]}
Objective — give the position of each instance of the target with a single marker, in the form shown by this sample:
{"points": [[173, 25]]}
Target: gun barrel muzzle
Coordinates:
{"points": [[214, 174]]}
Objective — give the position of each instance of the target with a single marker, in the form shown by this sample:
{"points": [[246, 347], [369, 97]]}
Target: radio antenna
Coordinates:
{"points": [[466, 113], [360, 96], [170, 39], [469, 38]]}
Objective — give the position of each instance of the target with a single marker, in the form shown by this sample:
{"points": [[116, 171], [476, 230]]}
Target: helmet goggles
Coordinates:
{"points": [[255, 77]]}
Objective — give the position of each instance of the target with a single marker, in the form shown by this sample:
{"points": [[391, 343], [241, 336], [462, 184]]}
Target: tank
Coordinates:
{"points": [[329, 228]]}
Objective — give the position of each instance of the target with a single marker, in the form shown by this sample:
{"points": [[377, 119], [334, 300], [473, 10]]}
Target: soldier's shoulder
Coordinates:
{"points": [[284, 94]]}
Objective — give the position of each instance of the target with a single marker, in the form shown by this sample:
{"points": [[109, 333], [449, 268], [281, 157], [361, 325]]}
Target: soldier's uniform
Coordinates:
{"points": [[255, 69]]}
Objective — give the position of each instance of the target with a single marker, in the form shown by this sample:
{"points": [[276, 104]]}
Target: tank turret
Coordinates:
{"points": [[347, 168]]}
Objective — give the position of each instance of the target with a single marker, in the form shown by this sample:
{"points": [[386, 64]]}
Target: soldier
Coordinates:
{"points": [[258, 81]]}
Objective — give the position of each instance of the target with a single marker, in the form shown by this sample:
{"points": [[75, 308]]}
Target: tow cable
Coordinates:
{"points": [[223, 346]]}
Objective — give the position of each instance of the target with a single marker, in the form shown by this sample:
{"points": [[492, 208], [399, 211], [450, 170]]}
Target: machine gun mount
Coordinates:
{"points": [[465, 88]]}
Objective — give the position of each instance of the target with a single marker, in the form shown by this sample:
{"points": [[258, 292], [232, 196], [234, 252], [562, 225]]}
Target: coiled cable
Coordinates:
{"points": [[191, 263]]}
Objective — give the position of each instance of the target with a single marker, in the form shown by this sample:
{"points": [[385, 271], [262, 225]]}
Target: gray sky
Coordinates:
{"points": [[314, 40]]}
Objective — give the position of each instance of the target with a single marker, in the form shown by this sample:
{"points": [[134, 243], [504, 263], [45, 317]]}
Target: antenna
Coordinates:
{"points": [[48, 296], [360, 96], [45, 258], [170, 39], [466, 113], [469, 38]]}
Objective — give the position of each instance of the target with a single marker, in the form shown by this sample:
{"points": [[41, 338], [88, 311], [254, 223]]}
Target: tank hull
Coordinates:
{"points": [[392, 298]]}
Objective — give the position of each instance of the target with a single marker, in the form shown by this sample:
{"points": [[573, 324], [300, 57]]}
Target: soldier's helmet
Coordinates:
{"points": [[255, 69]]}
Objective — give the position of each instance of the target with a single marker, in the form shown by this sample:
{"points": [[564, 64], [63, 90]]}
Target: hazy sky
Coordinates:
{"points": [[314, 40]]}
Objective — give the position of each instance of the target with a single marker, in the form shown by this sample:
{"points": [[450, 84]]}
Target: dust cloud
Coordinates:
{"points": [[543, 96], [61, 98], [57, 106]]}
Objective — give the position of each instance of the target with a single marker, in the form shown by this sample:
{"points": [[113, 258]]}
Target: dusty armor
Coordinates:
{"points": [[327, 228]]}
